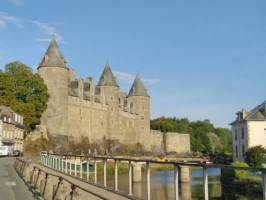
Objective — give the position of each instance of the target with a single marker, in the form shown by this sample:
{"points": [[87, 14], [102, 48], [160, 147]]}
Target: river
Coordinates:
{"points": [[162, 186]]}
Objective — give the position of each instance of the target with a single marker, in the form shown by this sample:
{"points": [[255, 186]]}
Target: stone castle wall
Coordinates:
{"points": [[177, 142], [81, 108]]}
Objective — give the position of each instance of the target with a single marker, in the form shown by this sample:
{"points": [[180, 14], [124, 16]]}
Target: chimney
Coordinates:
{"points": [[243, 113]]}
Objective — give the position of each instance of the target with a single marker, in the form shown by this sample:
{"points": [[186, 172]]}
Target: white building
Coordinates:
{"points": [[248, 130], [11, 129]]}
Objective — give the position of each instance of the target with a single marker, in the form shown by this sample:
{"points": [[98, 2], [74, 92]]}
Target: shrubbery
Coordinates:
{"points": [[255, 156]]}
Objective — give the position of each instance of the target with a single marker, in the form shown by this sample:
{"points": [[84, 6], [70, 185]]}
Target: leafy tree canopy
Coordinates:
{"points": [[219, 141], [255, 156], [23, 91]]}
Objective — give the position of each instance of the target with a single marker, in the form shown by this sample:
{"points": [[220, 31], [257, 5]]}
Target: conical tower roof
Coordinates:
{"points": [[138, 88], [52, 57], [107, 77]]}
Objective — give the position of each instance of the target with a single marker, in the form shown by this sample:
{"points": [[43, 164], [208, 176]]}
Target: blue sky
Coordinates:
{"points": [[200, 59]]}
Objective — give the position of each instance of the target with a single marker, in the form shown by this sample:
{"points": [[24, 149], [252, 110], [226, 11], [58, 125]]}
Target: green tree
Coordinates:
{"points": [[162, 124], [215, 143], [225, 137], [255, 156], [23, 91]]}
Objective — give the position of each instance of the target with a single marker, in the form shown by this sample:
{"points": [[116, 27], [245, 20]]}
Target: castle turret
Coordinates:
{"points": [[55, 74], [110, 91], [140, 104]]}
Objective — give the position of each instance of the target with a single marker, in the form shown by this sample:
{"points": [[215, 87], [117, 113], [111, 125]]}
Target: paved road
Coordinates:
{"points": [[11, 185]]}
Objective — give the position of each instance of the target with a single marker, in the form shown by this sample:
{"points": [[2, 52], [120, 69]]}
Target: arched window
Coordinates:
{"points": [[242, 133], [235, 134]]}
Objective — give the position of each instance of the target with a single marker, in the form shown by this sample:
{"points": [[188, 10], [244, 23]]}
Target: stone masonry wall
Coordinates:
{"points": [[177, 142]]}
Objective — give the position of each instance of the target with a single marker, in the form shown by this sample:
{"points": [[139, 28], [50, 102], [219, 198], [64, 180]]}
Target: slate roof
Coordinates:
{"points": [[107, 77], [138, 88], [256, 114], [52, 57]]}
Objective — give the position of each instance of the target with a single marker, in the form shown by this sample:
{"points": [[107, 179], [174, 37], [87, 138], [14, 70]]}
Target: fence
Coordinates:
{"points": [[56, 161], [36, 180]]}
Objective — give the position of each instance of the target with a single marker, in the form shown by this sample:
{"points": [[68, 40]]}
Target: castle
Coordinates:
{"points": [[81, 108]]}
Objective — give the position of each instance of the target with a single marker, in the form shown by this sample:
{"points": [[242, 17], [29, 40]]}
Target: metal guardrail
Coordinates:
{"points": [[61, 179], [53, 160]]}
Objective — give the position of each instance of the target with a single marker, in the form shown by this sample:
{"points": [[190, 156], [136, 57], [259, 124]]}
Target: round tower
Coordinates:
{"points": [[55, 74], [140, 103], [110, 90]]}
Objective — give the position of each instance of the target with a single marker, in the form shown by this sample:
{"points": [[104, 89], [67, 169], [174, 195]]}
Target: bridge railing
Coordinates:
{"points": [[23, 165], [56, 161]]}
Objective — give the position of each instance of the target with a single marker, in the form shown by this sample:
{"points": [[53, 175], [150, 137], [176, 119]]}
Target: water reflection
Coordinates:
{"points": [[162, 186]]}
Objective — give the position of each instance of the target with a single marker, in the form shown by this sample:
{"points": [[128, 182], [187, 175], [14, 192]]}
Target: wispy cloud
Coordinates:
{"points": [[126, 78], [16, 2], [129, 78], [258, 49], [48, 30], [150, 81], [5, 18], [2, 24]]}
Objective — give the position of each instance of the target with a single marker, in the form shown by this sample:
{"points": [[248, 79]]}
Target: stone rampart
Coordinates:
{"points": [[177, 142]]}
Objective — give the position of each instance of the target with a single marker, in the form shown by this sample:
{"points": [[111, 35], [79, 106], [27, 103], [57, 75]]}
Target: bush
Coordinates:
{"points": [[255, 156], [230, 175], [239, 174]]}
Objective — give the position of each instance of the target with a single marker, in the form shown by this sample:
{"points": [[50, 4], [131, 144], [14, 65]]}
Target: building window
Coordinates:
{"points": [[243, 150], [242, 133], [236, 152], [235, 134]]}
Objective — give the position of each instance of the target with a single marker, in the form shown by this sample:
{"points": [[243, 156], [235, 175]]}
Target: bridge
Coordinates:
{"points": [[67, 168]]}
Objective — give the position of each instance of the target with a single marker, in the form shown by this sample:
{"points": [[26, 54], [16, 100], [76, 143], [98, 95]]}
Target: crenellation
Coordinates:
{"points": [[82, 108]]}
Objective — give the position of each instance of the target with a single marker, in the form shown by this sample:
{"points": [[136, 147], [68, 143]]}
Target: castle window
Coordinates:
{"points": [[243, 150], [235, 134], [242, 133], [131, 107], [236, 152]]}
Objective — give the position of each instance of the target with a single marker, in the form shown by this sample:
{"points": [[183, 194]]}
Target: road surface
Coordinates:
{"points": [[12, 186]]}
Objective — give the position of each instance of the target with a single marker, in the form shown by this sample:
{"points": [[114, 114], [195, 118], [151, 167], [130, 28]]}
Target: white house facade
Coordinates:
{"points": [[248, 130]]}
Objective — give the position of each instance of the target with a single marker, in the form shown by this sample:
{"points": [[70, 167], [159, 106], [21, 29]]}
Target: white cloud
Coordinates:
{"points": [[10, 19], [2, 24], [129, 78], [16, 2], [258, 49], [48, 30], [150, 81]]}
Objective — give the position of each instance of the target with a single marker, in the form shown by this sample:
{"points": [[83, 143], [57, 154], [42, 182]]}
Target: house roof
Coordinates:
{"points": [[256, 114]]}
